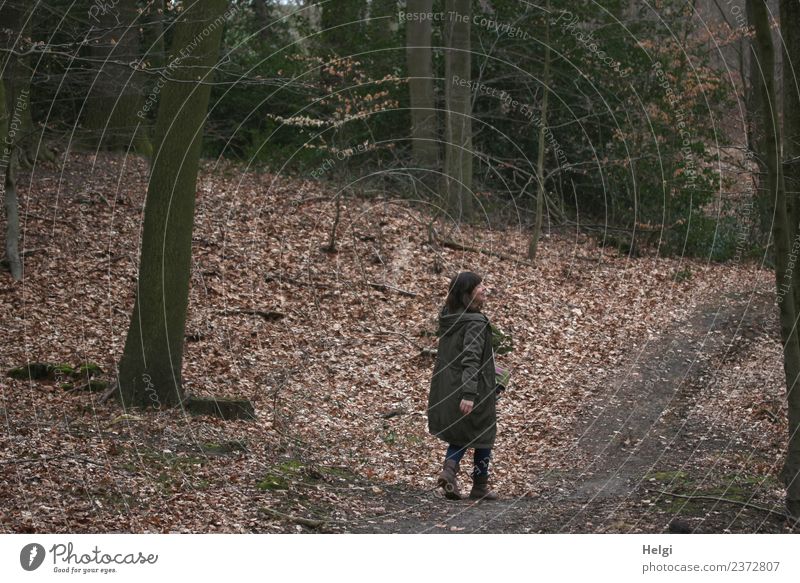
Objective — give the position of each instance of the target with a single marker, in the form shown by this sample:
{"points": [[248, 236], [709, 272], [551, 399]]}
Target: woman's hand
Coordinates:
{"points": [[465, 407]]}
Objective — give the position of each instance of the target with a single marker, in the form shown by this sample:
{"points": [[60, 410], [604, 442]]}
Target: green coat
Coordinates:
{"points": [[464, 370]]}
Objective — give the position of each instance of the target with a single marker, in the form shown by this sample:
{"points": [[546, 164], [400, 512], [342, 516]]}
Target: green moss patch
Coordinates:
{"points": [[736, 488], [273, 482], [88, 369], [282, 475]]}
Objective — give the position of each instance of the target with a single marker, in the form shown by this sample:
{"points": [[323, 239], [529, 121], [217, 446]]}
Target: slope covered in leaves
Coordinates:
{"points": [[326, 346]]}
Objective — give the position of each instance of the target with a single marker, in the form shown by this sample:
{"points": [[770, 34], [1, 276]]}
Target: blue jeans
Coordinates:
{"points": [[481, 458]]}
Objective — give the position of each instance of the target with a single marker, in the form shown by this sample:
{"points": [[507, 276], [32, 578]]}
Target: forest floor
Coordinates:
{"points": [[644, 390]]}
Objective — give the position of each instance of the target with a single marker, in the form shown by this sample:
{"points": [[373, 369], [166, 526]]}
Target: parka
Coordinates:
{"points": [[464, 369]]}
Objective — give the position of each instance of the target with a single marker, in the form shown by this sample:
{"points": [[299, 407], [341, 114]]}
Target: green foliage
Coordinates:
{"points": [[88, 369], [705, 236], [258, 60], [282, 475], [501, 343], [632, 99], [628, 115]]}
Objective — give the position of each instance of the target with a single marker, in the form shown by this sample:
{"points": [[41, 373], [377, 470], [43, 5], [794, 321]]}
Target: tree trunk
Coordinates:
{"points": [[765, 53], [537, 225], [150, 370], [424, 145], [8, 168], [11, 205], [790, 33], [458, 121], [117, 92], [15, 72], [153, 35]]}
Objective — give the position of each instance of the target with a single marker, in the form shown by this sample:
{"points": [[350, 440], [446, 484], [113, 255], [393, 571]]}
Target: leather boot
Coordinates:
{"points": [[480, 489], [447, 480]]}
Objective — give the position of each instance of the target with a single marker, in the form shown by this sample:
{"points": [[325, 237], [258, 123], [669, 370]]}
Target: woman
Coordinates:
{"points": [[461, 403]]}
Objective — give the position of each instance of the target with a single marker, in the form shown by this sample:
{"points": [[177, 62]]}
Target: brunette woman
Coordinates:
{"points": [[461, 403]]}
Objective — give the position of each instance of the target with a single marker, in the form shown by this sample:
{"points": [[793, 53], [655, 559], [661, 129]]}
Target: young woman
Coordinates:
{"points": [[461, 403]]}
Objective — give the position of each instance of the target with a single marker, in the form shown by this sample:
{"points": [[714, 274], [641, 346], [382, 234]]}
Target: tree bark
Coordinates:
{"points": [[790, 34], [419, 58], [149, 372], [458, 120], [8, 167], [117, 92], [537, 224], [765, 54], [154, 44], [11, 205], [15, 31]]}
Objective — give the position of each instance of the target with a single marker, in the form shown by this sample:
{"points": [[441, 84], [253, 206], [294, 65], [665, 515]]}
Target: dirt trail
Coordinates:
{"points": [[625, 433]]}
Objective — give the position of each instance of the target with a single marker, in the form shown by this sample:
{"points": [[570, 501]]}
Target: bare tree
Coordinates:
{"points": [[782, 233], [150, 368], [117, 90], [458, 116], [419, 58], [540, 178], [8, 163]]}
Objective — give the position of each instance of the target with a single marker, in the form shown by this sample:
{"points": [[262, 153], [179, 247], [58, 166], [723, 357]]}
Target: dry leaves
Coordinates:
{"points": [[320, 377]]}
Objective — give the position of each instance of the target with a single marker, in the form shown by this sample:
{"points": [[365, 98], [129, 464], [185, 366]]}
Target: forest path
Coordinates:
{"points": [[640, 425]]}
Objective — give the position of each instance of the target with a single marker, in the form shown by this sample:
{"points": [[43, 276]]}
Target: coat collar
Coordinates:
{"points": [[451, 321]]}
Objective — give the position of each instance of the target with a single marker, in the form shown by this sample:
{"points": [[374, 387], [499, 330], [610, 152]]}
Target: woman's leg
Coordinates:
{"points": [[455, 452], [448, 478], [482, 458], [480, 476]]}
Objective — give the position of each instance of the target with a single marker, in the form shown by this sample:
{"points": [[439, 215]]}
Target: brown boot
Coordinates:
{"points": [[480, 489], [447, 480]]}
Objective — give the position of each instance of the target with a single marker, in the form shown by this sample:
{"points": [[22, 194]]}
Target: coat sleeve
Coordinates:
{"points": [[474, 337]]}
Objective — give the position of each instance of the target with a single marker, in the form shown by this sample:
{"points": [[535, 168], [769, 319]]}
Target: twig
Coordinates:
{"points": [[385, 287], [395, 333], [309, 522], [110, 391], [460, 247], [41, 218], [394, 413], [285, 279], [46, 458], [769, 413], [728, 500]]}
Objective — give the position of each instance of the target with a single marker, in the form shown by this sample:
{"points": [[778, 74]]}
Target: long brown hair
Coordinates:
{"points": [[459, 292]]}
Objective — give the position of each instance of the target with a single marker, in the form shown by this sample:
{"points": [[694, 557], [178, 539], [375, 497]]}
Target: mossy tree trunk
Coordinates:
{"points": [[458, 115], [790, 32], [15, 132], [790, 35], [117, 91], [149, 372], [419, 59], [8, 173], [782, 231]]}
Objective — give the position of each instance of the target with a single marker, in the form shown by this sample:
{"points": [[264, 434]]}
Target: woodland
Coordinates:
{"points": [[229, 228]]}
